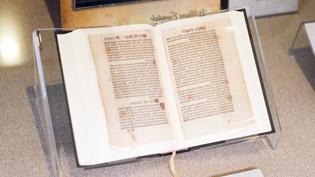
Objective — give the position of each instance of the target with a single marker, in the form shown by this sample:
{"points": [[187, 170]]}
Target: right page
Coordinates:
{"points": [[215, 78]]}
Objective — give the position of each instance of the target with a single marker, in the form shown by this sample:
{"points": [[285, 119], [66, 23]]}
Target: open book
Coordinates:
{"points": [[139, 90]]}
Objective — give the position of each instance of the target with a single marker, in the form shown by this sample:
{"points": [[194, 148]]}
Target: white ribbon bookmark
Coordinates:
{"points": [[172, 165]]}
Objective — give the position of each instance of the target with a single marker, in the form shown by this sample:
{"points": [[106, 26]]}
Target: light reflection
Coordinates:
{"points": [[228, 28], [9, 51]]}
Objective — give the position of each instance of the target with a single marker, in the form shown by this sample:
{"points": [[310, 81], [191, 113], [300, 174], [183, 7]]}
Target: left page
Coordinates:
{"points": [[116, 101], [130, 86], [84, 102]]}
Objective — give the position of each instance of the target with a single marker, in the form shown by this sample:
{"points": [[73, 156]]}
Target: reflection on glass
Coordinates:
{"points": [[9, 44], [9, 51]]}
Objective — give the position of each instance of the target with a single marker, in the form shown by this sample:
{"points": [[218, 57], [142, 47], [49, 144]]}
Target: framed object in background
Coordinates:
{"points": [[152, 12], [80, 4], [264, 7]]}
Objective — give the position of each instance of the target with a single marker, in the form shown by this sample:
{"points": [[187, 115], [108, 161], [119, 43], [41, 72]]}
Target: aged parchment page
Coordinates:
{"points": [[207, 75], [130, 86]]}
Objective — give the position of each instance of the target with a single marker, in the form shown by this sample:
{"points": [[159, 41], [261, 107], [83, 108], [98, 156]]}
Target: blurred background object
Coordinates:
{"points": [[266, 7]]}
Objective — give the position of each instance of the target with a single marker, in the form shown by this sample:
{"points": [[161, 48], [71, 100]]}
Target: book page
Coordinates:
{"points": [[130, 86], [84, 102], [207, 75], [199, 73]]}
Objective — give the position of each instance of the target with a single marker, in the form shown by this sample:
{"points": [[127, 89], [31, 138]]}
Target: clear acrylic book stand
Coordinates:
{"points": [[48, 79]]}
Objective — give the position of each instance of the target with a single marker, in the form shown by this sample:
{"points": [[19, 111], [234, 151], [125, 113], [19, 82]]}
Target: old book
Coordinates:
{"points": [[140, 90]]}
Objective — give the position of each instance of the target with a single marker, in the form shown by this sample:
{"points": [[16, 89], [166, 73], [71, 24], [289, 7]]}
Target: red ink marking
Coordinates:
{"points": [[162, 106]]}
